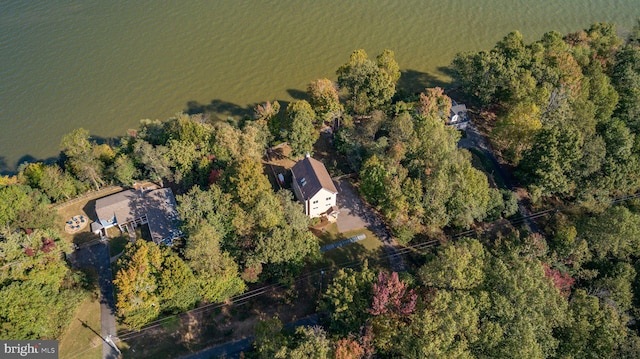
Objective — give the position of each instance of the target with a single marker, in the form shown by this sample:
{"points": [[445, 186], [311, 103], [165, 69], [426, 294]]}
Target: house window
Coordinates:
{"points": [[316, 201], [328, 198]]}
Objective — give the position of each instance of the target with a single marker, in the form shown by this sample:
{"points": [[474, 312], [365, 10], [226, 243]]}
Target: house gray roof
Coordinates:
{"points": [[125, 206], [161, 213], [460, 110], [158, 205], [311, 177]]}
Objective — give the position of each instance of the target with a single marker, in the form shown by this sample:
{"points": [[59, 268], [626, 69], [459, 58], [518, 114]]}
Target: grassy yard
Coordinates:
{"points": [[80, 340], [85, 207], [370, 247], [117, 244]]}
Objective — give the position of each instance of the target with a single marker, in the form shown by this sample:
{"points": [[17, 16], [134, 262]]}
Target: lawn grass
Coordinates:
{"points": [[85, 207], [80, 341], [117, 244], [370, 247]]}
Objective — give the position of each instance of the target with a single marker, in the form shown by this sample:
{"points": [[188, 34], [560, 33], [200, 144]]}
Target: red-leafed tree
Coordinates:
{"points": [[348, 348], [214, 176], [562, 281], [390, 295], [367, 336], [434, 102], [47, 244]]}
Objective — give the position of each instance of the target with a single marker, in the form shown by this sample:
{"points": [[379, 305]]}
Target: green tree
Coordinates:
{"points": [[57, 184], [449, 327], [525, 309], [216, 271], [269, 338], [481, 74], [181, 155], [515, 132], [402, 132], [226, 143], [82, 158], [626, 79], [347, 298], [301, 133], [368, 83], [373, 176], [151, 131], [601, 91], [23, 207], [189, 129], [177, 287], [285, 245], [212, 205], [38, 291], [308, 343], [323, 97], [485, 304], [469, 193], [615, 285], [254, 140], [595, 329], [244, 180], [549, 164], [267, 115], [124, 170], [136, 284], [621, 165], [386, 62], [456, 267], [29, 310], [153, 160], [614, 233], [31, 173]]}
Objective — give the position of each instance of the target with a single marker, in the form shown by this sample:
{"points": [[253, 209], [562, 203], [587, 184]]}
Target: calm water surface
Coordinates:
{"points": [[104, 65]]}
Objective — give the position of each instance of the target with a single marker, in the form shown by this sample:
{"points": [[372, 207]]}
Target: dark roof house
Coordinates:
{"points": [[312, 176], [314, 188], [128, 209]]}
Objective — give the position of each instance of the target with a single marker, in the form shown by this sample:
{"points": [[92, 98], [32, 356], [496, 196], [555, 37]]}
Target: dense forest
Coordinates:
{"points": [[562, 113]]}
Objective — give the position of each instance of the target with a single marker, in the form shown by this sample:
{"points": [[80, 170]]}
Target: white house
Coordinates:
{"points": [[458, 116], [314, 188]]}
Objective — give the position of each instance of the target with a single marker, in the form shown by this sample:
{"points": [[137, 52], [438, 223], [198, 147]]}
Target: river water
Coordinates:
{"points": [[104, 65]]}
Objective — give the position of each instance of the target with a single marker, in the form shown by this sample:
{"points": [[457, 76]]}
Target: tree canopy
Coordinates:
{"points": [[369, 83]]}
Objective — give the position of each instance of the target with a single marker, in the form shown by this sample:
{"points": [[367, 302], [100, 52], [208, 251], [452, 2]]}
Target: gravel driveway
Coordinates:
{"points": [[355, 214]]}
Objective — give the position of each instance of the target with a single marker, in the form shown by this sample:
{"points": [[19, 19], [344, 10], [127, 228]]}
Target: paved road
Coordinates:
{"points": [[354, 214], [233, 349], [476, 140], [97, 256]]}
